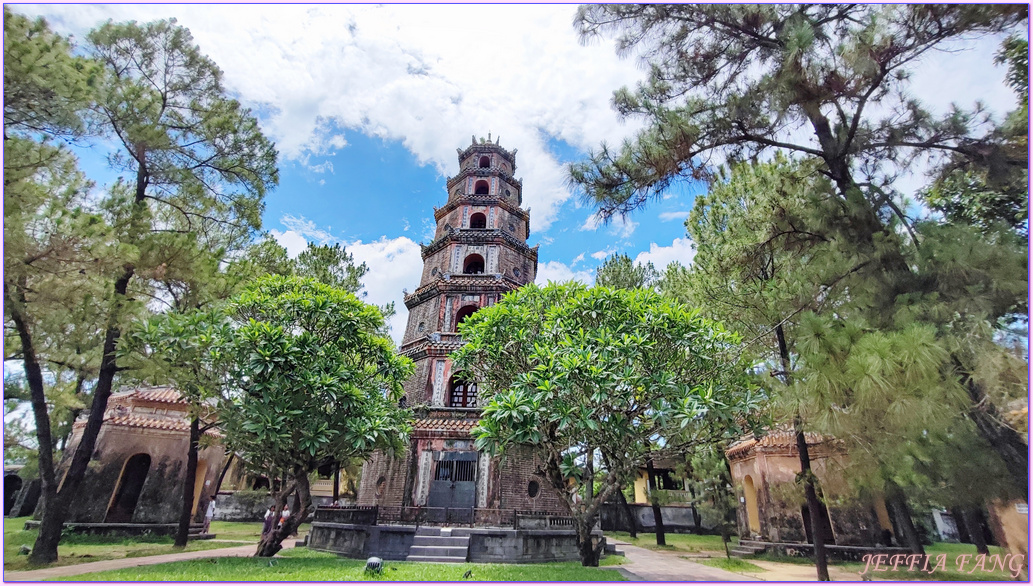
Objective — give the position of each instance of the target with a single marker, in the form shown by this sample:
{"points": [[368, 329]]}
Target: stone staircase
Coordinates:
{"points": [[747, 548], [440, 544]]}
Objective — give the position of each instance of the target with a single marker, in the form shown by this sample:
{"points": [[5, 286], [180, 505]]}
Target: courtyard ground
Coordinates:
{"points": [[80, 549]]}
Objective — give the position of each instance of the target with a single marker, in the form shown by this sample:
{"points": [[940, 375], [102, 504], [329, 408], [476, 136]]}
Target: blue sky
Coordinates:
{"points": [[367, 105]]}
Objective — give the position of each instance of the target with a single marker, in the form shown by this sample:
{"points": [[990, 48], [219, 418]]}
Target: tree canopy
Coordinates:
{"points": [[572, 372], [307, 379]]}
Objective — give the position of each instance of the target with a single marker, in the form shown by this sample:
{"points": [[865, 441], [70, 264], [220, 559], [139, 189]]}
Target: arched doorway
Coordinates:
{"points": [[12, 485], [473, 265], [752, 511], [478, 221], [127, 491], [480, 188], [485, 162]]}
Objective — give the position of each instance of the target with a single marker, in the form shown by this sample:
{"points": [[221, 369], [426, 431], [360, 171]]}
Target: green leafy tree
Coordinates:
{"points": [[331, 265], [828, 84], [177, 349], [992, 190], [192, 159], [764, 256], [46, 87], [619, 272], [572, 373], [307, 380]]}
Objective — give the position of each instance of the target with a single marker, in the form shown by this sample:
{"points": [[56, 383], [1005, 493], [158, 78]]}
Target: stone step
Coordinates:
{"points": [[431, 551], [438, 559], [744, 551], [433, 541]]}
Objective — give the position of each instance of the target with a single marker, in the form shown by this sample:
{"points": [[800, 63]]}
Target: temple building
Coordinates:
{"points": [[136, 473], [478, 254]]}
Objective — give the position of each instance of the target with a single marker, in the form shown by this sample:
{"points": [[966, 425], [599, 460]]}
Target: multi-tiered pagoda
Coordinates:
{"points": [[479, 253]]}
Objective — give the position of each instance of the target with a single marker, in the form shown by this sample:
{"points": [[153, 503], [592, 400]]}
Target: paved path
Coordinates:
{"points": [[242, 551], [798, 572], [645, 565]]}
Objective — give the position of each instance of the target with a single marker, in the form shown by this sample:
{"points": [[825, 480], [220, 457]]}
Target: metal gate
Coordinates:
{"points": [[453, 488]]}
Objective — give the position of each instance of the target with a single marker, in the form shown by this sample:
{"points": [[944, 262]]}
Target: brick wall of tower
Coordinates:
{"points": [[392, 470], [416, 386], [510, 259], [425, 313], [435, 265], [515, 472]]}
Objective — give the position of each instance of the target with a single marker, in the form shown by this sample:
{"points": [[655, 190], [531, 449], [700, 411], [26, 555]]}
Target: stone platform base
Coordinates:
{"points": [[486, 545], [128, 529]]}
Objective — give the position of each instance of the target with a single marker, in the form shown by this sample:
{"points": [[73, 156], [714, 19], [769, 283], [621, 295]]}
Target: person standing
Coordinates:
{"points": [[209, 515], [270, 520]]}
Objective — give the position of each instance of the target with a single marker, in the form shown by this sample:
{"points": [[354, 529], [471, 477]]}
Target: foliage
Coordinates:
{"points": [[46, 87], [829, 86], [736, 80], [618, 272], [330, 265], [307, 380], [572, 371], [194, 167]]}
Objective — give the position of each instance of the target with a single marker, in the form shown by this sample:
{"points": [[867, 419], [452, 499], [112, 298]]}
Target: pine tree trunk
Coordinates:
{"points": [[821, 563], [658, 516], [975, 529], [189, 480], [45, 549], [902, 515]]}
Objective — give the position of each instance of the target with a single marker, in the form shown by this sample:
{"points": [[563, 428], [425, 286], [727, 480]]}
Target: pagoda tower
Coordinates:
{"points": [[479, 253]]}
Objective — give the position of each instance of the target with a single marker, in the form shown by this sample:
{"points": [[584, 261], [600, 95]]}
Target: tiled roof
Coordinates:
{"points": [[464, 425], [153, 394], [779, 439], [142, 421]]}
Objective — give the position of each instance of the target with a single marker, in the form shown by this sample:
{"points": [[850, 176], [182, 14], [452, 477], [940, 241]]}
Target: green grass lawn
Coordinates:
{"points": [[79, 549], [675, 541], [306, 565], [730, 564]]}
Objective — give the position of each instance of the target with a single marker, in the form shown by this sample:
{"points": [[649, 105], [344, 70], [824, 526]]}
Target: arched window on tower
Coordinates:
{"points": [[462, 393], [480, 188], [485, 162], [478, 221], [473, 265], [464, 313]]}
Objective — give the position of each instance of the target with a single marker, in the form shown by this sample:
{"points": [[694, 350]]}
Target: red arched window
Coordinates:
{"points": [[485, 162], [480, 188], [478, 221], [473, 265], [462, 394]]}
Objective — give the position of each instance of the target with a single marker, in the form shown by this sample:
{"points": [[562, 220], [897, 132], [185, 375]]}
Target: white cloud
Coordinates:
{"points": [[393, 264], [622, 227], [680, 250], [324, 167], [407, 73], [294, 242], [671, 216], [591, 223], [601, 254], [558, 272], [577, 259]]}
